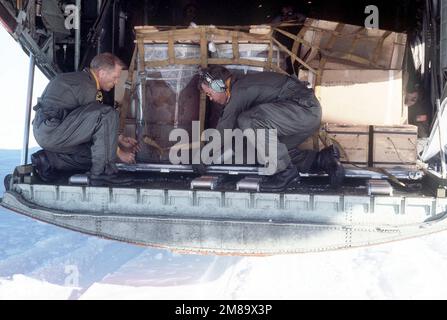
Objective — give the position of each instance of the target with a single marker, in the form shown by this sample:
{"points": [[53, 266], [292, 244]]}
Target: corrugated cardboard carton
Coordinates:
{"points": [[360, 97]]}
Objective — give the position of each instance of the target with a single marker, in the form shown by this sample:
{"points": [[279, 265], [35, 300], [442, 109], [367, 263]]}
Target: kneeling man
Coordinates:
{"points": [[268, 100]]}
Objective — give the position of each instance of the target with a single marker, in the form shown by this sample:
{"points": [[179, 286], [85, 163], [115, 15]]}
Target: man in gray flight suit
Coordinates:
{"points": [[75, 129], [268, 100]]}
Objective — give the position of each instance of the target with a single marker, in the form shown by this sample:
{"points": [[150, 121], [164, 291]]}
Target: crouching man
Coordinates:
{"points": [[268, 100], [75, 129]]}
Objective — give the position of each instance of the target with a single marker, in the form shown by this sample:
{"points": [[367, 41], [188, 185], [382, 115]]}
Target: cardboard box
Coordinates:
{"points": [[359, 79], [360, 97], [395, 146]]}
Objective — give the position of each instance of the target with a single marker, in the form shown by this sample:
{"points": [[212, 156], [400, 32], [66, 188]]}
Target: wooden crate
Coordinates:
{"points": [[354, 141], [394, 146]]}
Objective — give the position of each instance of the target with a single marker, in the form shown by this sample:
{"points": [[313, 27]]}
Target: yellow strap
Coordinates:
{"points": [[228, 91], [96, 80], [99, 96]]}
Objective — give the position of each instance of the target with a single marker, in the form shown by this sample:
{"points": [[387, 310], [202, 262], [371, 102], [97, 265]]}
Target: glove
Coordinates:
{"points": [[199, 168]]}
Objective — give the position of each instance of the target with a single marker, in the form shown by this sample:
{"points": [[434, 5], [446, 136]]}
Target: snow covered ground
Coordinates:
{"points": [[41, 261]]}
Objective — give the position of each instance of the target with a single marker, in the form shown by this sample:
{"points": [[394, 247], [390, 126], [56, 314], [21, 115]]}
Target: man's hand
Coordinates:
{"points": [[125, 156], [128, 144]]}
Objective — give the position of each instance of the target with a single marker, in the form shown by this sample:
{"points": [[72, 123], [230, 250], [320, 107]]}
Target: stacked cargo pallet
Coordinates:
{"points": [[356, 72], [202, 36], [359, 82]]}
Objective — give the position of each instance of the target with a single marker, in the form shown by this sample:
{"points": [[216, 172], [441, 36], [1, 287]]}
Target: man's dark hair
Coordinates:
{"points": [[106, 61]]}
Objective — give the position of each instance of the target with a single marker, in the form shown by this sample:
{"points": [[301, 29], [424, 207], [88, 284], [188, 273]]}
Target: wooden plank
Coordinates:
{"points": [[220, 61], [150, 33], [194, 34], [241, 35], [171, 51], [19, 4], [195, 41], [162, 63], [345, 129], [297, 39], [354, 141], [260, 29], [394, 145], [140, 46], [165, 38], [283, 48], [222, 40], [248, 62], [146, 29], [203, 64], [235, 47], [177, 34], [156, 64], [296, 46], [203, 48]]}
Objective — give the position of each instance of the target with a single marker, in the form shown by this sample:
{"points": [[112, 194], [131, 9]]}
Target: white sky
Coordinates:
{"points": [[14, 66]]}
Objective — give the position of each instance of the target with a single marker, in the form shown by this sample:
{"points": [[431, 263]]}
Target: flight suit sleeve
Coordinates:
{"points": [[228, 118], [239, 102]]}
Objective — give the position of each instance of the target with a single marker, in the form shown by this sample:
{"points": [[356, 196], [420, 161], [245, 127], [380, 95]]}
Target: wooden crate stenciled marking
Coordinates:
{"points": [[354, 141], [394, 146]]}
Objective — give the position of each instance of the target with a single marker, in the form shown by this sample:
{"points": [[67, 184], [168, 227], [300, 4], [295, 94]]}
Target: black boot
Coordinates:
{"points": [[111, 169], [107, 179], [42, 166], [328, 160], [280, 180], [7, 182]]}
